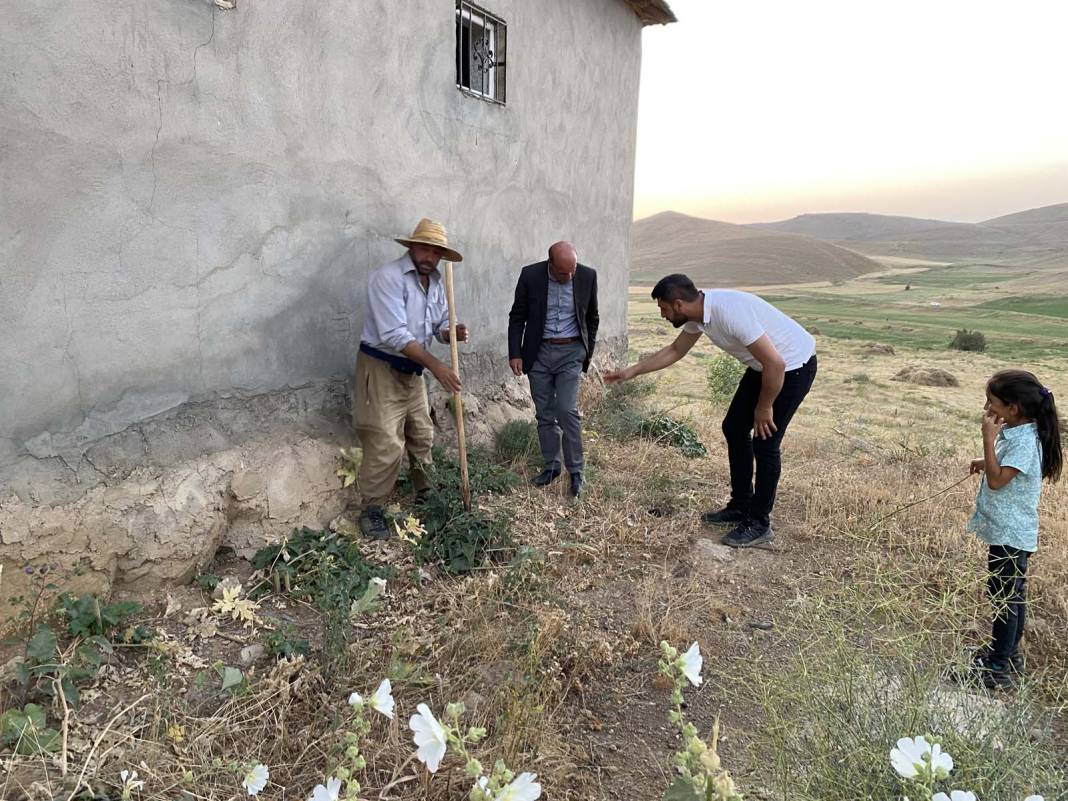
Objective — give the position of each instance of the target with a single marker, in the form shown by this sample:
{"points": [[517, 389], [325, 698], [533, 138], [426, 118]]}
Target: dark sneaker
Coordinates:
{"points": [[727, 515], [577, 483], [373, 523], [747, 534], [545, 477], [997, 674]]}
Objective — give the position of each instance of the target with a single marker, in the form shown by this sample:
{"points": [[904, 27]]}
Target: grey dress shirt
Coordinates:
{"points": [[560, 318]]}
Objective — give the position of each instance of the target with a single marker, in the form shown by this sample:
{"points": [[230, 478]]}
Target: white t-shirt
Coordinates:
{"points": [[735, 320]]}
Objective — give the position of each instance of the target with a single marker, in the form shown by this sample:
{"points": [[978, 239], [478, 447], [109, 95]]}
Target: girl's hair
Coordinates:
{"points": [[1035, 402]]}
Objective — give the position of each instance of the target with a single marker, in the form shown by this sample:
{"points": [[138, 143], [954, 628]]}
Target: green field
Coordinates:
{"points": [[973, 276], [1030, 324], [1048, 306]]}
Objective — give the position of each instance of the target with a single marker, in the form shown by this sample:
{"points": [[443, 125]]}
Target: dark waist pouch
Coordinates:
{"points": [[396, 362]]}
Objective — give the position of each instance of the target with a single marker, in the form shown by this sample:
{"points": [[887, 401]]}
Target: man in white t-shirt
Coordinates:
{"points": [[781, 359]]}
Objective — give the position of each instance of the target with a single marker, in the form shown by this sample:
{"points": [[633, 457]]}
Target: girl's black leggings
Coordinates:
{"points": [[1007, 590]]}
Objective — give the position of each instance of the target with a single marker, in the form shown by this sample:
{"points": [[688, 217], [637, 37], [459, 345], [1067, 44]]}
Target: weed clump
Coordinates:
{"points": [[457, 539], [517, 443], [724, 373], [318, 566], [968, 340], [623, 414]]}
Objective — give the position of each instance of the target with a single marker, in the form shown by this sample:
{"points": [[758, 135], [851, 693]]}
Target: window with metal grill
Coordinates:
{"points": [[481, 45]]}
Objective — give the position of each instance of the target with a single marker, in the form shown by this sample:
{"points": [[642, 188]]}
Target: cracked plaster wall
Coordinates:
{"points": [[193, 198]]}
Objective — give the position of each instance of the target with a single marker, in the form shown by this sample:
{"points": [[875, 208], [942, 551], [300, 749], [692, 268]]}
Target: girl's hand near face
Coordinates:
{"points": [[992, 424]]}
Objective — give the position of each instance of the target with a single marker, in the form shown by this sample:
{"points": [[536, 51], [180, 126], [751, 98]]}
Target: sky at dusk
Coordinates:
{"points": [[951, 109]]}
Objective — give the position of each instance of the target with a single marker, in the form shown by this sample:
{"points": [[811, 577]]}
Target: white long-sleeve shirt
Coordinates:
{"points": [[400, 311]]}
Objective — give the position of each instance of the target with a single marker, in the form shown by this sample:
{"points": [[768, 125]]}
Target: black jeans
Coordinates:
{"points": [[1007, 591], [742, 449]]}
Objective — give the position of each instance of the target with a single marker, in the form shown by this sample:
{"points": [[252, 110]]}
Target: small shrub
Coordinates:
{"points": [[88, 617], [318, 566], [624, 415], [667, 430], [724, 373], [969, 340], [858, 378], [517, 443], [284, 642], [458, 539]]}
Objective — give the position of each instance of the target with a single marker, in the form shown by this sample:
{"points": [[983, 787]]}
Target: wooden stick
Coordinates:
{"points": [[465, 484]]}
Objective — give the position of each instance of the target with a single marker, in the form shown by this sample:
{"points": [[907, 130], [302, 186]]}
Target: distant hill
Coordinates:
{"points": [[716, 253], [1035, 236]]}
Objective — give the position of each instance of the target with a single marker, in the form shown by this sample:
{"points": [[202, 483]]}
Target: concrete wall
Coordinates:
{"points": [[192, 197]]}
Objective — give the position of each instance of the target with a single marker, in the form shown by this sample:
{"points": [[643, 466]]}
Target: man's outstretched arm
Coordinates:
{"points": [[658, 361]]}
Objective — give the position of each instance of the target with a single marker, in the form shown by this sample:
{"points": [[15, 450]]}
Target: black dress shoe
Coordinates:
{"points": [[545, 477], [576, 484]]}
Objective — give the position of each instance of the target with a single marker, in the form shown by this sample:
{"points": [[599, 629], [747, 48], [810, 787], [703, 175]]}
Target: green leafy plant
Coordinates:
{"points": [[724, 373], [623, 414], [969, 341], [319, 566], [458, 539], [87, 617], [26, 731], [284, 642], [665, 429]]}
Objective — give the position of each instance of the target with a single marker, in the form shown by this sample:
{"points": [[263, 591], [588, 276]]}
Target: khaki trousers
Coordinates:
{"points": [[391, 415]]}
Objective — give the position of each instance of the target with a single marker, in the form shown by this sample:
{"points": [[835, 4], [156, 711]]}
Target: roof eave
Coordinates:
{"points": [[652, 12]]}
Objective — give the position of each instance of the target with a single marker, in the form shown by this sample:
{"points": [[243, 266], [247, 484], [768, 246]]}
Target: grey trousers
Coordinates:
{"points": [[554, 383]]}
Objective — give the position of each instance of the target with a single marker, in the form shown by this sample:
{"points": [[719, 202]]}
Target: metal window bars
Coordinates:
{"points": [[481, 44]]}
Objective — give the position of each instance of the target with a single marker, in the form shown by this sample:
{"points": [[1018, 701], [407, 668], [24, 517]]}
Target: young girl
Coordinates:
{"points": [[1021, 446]]}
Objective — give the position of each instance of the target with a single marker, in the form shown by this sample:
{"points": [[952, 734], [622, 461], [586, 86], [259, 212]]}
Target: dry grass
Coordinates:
{"points": [[556, 654]]}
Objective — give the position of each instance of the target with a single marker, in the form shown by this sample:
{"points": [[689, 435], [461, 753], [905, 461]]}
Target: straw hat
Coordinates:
{"points": [[432, 233]]}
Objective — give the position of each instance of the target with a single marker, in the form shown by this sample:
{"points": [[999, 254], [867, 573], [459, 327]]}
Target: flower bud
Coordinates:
{"points": [[476, 733], [454, 711], [710, 761], [473, 768], [352, 752], [342, 773], [724, 786], [668, 651]]}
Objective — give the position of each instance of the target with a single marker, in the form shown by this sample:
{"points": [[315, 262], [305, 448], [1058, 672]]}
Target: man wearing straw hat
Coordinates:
{"points": [[552, 331], [406, 309]]}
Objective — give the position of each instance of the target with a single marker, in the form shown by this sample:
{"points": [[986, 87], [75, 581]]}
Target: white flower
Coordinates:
{"points": [[956, 795], [941, 763], [355, 699], [917, 757], [429, 736], [382, 700], [522, 788], [129, 783], [328, 793], [691, 665], [256, 779], [1034, 798]]}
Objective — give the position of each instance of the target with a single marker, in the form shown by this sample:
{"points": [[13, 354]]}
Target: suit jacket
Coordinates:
{"points": [[526, 321]]}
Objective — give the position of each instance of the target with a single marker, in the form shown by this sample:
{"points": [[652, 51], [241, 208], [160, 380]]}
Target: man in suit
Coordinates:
{"points": [[552, 331]]}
